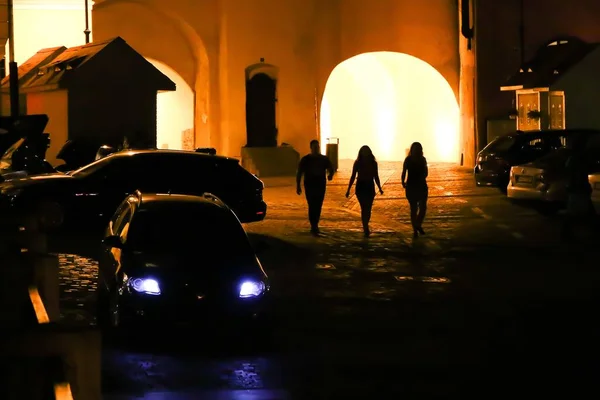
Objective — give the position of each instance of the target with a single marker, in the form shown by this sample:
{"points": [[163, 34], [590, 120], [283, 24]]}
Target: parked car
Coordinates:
{"points": [[594, 180], [544, 182], [178, 258], [494, 162], [26, 157], [80, 152], [85, 199], [13, 129], [24, 148]]}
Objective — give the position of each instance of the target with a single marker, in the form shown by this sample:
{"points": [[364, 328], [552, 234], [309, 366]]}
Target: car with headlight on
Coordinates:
{"points": [[178, 258]]}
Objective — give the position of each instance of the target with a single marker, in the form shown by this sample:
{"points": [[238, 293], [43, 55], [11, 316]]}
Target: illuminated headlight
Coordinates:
{"points": [[251, 289], [145, 285]]}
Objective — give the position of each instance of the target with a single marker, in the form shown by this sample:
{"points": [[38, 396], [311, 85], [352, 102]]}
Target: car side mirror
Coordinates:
{"points": [[113, 241]]}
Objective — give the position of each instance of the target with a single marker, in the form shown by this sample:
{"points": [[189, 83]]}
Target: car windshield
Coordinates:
{"points": [[89, 169], [187, 226], [11, 150], [502, 143], [6, 160]]}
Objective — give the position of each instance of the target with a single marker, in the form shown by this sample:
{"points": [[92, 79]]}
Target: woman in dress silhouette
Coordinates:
{"points": [[415, 165], [366, 168]]}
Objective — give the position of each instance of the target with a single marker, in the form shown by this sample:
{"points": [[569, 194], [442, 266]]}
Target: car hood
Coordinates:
{"points": [[194, 266], [53, 178]]}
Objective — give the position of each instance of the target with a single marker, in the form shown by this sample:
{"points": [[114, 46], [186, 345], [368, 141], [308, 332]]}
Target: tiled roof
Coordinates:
{"points": [[29, 67], [69, 60]]}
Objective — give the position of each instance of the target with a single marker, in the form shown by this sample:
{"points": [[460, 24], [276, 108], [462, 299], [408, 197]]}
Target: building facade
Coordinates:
{"points": [[508, 34], [217, 46]]}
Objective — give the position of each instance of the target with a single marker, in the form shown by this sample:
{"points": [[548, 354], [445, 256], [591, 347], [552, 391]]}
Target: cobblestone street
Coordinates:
{"points": [[387, 315]]}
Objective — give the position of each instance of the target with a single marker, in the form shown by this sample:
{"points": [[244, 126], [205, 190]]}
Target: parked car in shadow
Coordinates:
{"points": [[84, 200], [24, 147], [543, 182], [494, 162], [13, 129], [26, 157], [594, 180], [178, 258], [77, 153]]}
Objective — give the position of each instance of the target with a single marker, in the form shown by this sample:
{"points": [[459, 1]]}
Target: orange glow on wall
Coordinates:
{"points": [[387, 101], [40, 25], [175, 113]]}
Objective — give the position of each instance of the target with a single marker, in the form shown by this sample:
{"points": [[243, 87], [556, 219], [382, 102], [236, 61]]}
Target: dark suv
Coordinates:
{"points": [[492, 167], [87, 197]]}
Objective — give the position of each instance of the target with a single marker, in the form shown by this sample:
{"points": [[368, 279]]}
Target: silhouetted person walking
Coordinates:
{"points": [[580, 208], [316, 168], [366, 168], [417, 191]]}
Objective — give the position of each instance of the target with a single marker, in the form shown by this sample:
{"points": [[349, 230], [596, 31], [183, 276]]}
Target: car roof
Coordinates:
{"points": [[132, 153], [207, 199]]}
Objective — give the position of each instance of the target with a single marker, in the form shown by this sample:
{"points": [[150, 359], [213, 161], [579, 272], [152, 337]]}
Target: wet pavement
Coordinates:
{"points": [[489, 294]]}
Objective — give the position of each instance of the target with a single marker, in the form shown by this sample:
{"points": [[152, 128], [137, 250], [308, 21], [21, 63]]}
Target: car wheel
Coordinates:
{"points": [[50, 214]]}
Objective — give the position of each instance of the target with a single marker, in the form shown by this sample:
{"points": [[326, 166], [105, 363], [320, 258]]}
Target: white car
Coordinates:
{"points": [[541, 181]]}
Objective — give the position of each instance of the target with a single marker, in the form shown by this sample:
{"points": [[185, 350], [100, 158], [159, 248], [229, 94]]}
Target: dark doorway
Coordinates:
{"points": [[261, 126]]}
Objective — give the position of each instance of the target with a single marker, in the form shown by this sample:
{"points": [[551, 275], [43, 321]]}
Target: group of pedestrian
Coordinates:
{"points": [[317, 168]]}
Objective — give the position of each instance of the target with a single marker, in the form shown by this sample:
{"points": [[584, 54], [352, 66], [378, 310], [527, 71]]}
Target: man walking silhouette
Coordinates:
{"points": [[317, 169]]}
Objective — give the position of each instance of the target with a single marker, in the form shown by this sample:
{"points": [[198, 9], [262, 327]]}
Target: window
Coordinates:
{"points": [[557, 112], [501, 144], [527, 102]]}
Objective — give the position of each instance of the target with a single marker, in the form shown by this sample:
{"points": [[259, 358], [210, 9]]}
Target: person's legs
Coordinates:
{"points": [[366, 205], [314, 197], [421, 214], [414, 208]]}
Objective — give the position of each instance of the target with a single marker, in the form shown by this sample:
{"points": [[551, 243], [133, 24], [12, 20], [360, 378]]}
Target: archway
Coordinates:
{"points": [[175, 113], [161, 33], [388, 100]]}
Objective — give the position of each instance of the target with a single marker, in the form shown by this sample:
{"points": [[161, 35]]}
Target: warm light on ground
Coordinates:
{"points": [[387, 101], [175, 113]]}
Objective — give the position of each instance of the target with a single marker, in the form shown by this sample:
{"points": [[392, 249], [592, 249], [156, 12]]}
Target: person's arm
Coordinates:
{"points": [[330, 170], [377, 181], [426, 169], [404, 174], [299, 176], [352, 178]]}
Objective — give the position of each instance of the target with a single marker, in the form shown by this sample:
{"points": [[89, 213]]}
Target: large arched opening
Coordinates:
{"points": [[175, 113], [160, 33], [389, 100]]}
